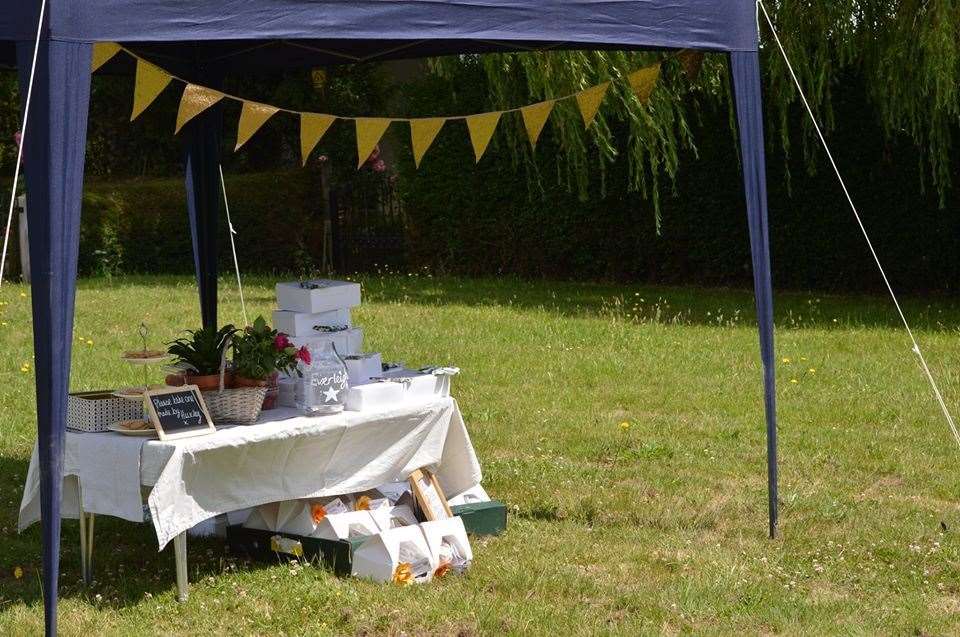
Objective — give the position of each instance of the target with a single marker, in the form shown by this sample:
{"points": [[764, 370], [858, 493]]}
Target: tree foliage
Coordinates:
{"points": [[906, 51]]}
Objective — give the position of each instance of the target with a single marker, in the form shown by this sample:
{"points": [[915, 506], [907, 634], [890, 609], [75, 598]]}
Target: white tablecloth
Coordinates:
{"points": [[285, 456]]}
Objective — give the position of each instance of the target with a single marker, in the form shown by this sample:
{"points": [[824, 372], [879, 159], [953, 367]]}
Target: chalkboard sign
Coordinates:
{"points": [[178, 412]]}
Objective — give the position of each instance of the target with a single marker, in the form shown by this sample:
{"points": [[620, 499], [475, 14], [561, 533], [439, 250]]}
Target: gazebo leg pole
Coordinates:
{"points": [[745, 69]]}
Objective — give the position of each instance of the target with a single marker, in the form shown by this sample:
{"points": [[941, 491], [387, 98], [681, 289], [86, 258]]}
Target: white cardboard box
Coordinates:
{"points": [[362, 367], [347, 342], [300, 324], [331, 295], [373, 396], [379, 556]]}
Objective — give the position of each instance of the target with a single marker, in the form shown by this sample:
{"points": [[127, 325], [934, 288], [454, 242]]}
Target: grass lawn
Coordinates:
{"points": [[624, 428]]}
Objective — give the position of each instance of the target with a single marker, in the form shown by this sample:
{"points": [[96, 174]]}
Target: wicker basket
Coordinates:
{"points": [[238, 406]]}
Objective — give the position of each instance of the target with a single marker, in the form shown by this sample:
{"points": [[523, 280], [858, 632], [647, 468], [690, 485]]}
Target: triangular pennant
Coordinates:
{"points": [[534, 118], [369, 132], [252, 117], [422, 134], [481, 129], [692, 62], [149, 83], [103, 52], [589, 102], [195, 100], [312, 128], [644, 81]]}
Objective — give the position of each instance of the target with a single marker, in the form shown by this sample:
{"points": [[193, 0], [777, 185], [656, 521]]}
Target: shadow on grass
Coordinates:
{"points": [[127, 565], [716, 307]]}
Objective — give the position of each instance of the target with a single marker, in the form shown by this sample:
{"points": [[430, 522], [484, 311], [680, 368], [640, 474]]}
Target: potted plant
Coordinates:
{"points": [[260, 353], [200, 356]]}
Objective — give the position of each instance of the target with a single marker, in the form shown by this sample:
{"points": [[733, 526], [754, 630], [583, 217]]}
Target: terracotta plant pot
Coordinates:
{"points": [[210, 382], [273, 387]]}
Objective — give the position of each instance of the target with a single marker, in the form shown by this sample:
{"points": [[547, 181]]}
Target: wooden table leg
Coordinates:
{"points": [[180, 554]]}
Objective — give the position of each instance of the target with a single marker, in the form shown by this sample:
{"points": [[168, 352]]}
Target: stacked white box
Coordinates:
{"points": [[302, 324], [316, 312], [302, 297]]}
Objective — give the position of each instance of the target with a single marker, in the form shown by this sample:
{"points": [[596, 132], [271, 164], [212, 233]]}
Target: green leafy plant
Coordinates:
{"points": [[261, 350], [203, 351]]}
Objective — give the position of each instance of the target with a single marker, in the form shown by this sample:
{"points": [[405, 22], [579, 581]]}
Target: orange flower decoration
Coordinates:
{"points": [[363, 503], [403, 574], [318, 512], [443, 569]]}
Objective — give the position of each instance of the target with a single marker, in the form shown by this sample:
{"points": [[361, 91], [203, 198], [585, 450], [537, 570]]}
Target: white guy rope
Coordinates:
{"points": [[23, 139], [233, 246], [843, 185]]}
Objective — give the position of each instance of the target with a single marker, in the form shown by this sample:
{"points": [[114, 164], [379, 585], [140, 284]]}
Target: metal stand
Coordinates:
{"points": [[180, 553]]}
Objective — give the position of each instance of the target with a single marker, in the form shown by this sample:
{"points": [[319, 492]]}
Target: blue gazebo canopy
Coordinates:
{"points": [[208, 39]]}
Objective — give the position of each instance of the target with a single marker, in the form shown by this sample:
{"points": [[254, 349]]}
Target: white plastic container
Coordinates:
{"points": [[297, 296], [300, 324]]}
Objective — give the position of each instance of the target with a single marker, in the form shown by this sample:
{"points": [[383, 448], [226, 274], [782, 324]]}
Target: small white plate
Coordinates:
{"points": [[132, 432]]}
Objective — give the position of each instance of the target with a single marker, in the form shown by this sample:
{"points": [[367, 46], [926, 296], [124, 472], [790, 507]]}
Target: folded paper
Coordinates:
{"points": [[481, 128], [644, 81], [422, 134], [534, 118], [103, 52], [369, 132], [589, 102], [312, 128], [149, 83], [252, 117], [194, 101]]}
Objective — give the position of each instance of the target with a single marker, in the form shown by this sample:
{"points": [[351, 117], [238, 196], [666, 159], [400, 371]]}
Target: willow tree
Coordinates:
{"points": [[907, 52]]}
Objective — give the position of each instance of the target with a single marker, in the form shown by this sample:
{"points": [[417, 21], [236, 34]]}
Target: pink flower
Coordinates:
{"points": [[304, 354], [18, 137], [322, 158], [281, 342], [379, 166]]}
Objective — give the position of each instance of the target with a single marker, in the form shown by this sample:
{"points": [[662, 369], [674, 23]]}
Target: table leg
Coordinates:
{"points": [[180, 553], [86, 545]]}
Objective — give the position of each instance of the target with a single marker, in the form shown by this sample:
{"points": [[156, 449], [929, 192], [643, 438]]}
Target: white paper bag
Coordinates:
{"points": [[344, 526], [379, 556], [448, 542], [392, 517], [471, 495]]}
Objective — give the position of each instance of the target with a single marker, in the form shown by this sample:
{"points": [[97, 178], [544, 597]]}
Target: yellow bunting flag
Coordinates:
{"points": [[252, 117], [481, 129], [369, 132], [422, 134], [644, 81], [149, 83], [195, 100], [312, 128], [535, 118], [692, 62], [589, 102], [103, 52]]}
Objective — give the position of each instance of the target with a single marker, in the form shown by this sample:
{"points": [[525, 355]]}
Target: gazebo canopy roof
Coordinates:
{"points": [[235, 34]]}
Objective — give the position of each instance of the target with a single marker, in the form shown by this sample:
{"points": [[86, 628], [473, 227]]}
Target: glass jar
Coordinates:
{"points": [[323, 387]]}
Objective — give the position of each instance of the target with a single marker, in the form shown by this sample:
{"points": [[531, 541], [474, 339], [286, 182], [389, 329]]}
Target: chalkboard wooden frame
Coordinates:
{"points": [[423, 496], [208, 428]]}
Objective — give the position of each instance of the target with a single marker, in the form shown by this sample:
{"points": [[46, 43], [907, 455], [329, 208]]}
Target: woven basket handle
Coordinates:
{"points": [[223, 361]]}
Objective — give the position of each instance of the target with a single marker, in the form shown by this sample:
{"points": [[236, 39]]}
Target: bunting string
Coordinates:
{"points": [[151, 80]]}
